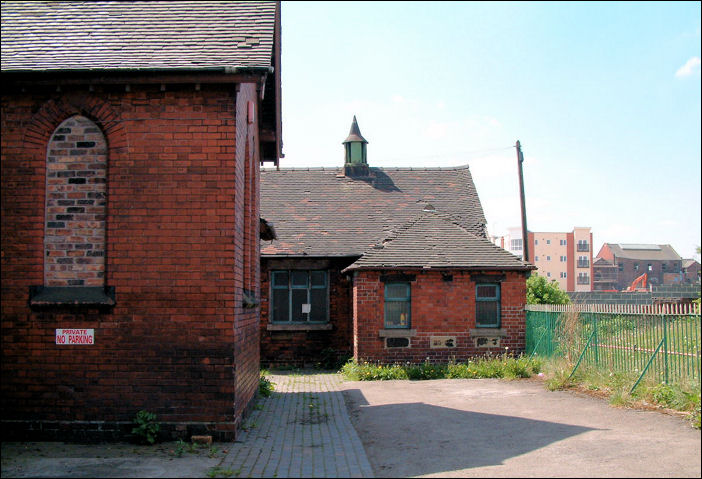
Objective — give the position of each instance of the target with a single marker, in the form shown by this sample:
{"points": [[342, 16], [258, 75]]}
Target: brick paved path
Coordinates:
{"points": [[301, 430]]}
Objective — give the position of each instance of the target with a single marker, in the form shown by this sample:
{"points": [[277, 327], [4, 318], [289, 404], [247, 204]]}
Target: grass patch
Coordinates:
{"points": [[616, 387], [489, 367]]}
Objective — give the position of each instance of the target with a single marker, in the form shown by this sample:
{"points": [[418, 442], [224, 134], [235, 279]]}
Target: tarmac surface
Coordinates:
{"points": [[318, 425]]}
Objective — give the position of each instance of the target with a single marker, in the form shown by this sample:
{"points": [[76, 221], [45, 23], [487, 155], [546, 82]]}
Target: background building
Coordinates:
{"points": [[562, 256], [661, 263]]}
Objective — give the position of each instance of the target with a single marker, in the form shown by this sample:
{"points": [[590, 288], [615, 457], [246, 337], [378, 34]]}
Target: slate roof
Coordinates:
{"points": [[397, 217], [321, 212], [661, 252], [435, 240], [40, 36]]}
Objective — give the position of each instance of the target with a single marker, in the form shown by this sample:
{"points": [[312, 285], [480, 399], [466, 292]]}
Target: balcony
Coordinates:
{"points": [[583, 280], [583, 247], [583, 264]]}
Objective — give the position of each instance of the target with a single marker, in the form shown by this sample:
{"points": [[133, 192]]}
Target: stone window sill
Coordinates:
{"points": [[44, 296], [489, 332], [397, 333], [300, 327]]}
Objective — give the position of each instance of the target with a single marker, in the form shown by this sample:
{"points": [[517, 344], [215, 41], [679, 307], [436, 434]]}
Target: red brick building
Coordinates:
{"points": [[131, 141], [661, 264], [385, 264]]}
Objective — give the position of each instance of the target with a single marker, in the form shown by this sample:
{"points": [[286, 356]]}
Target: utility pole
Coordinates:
{"points": [[525, 234]]}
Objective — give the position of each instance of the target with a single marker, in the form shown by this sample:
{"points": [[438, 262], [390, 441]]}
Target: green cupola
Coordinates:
{"points": [[355, 160]]}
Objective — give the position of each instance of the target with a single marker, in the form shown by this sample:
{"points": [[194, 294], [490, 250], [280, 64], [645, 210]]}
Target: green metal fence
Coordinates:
{"points": [[662, 342]]}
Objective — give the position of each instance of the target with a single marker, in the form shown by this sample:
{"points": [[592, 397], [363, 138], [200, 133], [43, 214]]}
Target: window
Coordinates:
{"points": [[516, 244], [650, 267], [299, 296], [636, 266], [621, 266], [548, 275], [548, 258], [564, 242], [487, 306], [583, 245], [563, 259], [397, 305], [536, 242], [583, 278], [536, 258], [548, 241], [664, 266], [564, 274]]}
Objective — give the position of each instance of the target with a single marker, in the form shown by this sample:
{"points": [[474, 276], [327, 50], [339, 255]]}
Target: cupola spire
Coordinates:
{"points": [[355, 159]]}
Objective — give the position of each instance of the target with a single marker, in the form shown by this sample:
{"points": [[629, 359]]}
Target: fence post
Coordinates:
{"points": [[665, 346], [587, 345], [597, 355]]}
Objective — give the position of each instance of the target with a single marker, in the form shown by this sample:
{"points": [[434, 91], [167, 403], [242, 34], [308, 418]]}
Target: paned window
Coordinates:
{"points": [[397, 305], [487, 306], [299, 296]]}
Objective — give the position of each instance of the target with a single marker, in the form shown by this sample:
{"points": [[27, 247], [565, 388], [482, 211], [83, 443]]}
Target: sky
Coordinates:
{"points": [[603, 97]]}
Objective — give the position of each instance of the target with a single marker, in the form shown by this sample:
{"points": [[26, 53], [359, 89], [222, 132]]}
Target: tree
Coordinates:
{"points": [[540, 291]]}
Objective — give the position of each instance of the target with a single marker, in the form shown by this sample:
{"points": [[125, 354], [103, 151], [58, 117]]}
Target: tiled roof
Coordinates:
{"points": [[321, 212], [39, 36], [687, 262], [644, 252], [435, 240]]}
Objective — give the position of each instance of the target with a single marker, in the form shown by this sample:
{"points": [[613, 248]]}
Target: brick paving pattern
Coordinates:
{"points": [[301, 430]]}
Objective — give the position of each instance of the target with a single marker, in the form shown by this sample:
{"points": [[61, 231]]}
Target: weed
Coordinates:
{"points": [[146, 427], [180, 448], [494, 367], [265, 385], [218, 471]]}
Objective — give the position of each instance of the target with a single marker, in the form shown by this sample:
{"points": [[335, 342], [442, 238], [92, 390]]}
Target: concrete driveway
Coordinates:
{"points": [[496, 428]]}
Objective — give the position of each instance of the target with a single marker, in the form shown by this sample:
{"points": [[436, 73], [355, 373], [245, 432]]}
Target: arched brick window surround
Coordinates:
{"points": [[38, 132], [76, 197]]}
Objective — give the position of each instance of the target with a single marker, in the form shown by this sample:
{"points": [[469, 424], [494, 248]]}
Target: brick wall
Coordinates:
{"points": [[300, 348], [438, 308], [178, 342]]}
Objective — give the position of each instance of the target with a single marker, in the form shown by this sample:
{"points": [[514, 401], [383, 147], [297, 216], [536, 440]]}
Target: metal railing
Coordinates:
{"points": [[583, 247], [661, 341]]}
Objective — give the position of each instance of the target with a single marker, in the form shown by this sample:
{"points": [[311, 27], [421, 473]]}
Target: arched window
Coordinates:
{"points": [[74, 226]]}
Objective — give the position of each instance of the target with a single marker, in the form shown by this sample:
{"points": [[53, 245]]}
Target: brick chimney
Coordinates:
{"points": [[355, 161]]}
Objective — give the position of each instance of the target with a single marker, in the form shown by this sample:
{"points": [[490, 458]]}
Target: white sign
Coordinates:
{"points": [[75, 336], [306, 308]]}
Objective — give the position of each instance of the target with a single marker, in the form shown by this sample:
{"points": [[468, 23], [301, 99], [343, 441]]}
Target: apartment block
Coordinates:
{"points": [[562, 256]]}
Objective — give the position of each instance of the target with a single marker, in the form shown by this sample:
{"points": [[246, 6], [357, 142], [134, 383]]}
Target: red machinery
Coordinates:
{"points": [[639, 284]]}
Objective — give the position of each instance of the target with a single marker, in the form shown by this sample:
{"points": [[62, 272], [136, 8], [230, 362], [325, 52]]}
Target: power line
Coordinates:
{"points": [[457, 153]]}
